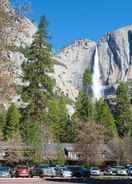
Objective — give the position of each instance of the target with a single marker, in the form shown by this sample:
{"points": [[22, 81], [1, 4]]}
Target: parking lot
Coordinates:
{"points": [[105, 180]]}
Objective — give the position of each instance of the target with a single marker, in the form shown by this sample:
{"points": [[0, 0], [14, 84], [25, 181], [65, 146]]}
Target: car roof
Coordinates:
{"points": [[22, 166], [4, 167], [94, 167]]}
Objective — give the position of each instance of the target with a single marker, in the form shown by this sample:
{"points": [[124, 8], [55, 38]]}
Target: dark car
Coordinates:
{"points": [[129, 171], [5, 171], [78, 171], [44, 170], [22, 171]]}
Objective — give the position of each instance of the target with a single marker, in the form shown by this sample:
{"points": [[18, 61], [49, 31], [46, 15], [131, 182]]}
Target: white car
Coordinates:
{"points": [[66, 173], [95, 171], [116, 170], [121, 171]]}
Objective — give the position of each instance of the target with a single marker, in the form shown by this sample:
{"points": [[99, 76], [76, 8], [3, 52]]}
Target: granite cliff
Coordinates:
{"points": [[114, 53], [115, 60]]}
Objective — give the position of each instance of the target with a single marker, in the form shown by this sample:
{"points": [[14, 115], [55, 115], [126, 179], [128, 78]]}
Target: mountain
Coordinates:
{"points": [[115, 60], [114, 56], [73, 61], [19, 34]]}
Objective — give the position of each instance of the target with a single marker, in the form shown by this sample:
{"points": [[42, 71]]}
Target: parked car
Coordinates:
{"points": [[22, 171], [5, 171], [95, 171], [78, 171], [117, 170], [110, 171], [66, 172], [121, 170], [129, 171], [44, 170]]}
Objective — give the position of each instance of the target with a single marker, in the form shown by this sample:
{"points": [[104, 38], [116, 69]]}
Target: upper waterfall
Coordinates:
{"points": [[96, 78]]}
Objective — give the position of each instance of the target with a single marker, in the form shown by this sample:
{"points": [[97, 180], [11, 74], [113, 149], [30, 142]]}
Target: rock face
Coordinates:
{"points": [[20, 35], [115, 59], [115, 55], [73, 61]]}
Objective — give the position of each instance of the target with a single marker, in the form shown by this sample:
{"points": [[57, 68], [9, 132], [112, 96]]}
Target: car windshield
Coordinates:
{"points": [[44, 166], [74, 168], [4, 169], [118, 167], [66, 169], [22, 167], [94, 168]]}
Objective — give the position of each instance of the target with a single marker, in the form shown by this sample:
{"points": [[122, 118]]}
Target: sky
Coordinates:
{"points": [[81, 19]]}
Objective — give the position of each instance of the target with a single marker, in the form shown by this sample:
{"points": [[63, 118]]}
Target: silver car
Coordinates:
{"points": [[118, 170], [66, 173], [95, 171], [44, 170], [121, 170], [5, 172]]}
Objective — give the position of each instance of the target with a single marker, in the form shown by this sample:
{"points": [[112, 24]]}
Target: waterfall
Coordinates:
{"points": [[96, 78]]}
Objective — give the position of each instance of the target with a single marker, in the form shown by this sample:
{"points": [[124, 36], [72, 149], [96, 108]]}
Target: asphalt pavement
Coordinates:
{"points": [[57, 181]]}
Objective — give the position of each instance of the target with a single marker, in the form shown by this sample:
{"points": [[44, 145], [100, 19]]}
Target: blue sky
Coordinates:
{"points": [[75, 19]]}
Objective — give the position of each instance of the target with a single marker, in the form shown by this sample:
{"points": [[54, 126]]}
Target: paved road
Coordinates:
{"points": [[42, 181], [30, 181]]}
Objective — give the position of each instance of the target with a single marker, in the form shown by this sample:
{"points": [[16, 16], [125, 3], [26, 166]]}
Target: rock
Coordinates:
{"points": [[73, 61], [22, 33], [115, 55], [115, 59], [5, 4]]}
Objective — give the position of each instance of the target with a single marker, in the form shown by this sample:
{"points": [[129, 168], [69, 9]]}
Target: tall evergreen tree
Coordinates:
{"points": [[84, 107], [39, 86], [54, 119], [105, 117], [2, 123], [123, 111], [87, 78], [11, 129], [129, 84], [59, 120]]}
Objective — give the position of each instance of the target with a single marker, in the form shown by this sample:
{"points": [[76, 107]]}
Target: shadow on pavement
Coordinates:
{"points": [[93, 181]]}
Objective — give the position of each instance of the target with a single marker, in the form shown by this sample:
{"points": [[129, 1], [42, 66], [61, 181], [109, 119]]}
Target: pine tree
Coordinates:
{"points": [[84, 104], [84, 107], [87, 81], [59, 120], [2, 123], [105, 118], [54, 119], [39, 86], [87, 78], [129, 84], [63, 113], [123, 111], [11, 129]]}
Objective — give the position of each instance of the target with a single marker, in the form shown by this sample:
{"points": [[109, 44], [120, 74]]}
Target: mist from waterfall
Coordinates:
{"points": [[96, 78]]}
